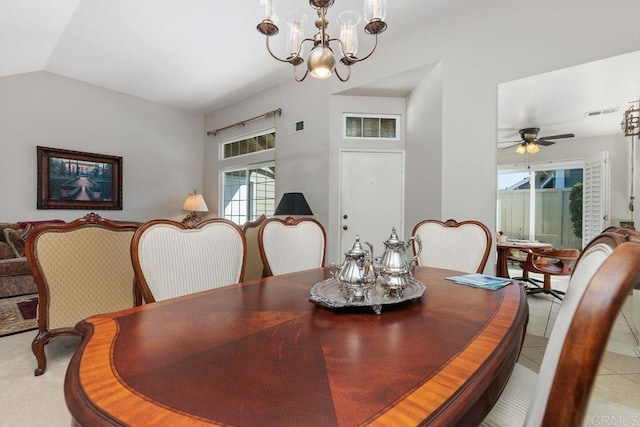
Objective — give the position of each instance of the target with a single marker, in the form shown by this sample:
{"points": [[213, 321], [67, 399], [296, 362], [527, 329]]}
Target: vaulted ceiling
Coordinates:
{"points": [[196, 55], [200, 55]]}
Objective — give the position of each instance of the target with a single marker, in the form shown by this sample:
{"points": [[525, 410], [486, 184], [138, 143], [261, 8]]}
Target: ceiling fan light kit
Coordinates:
{"points": [[321, 62], [530, 143]]}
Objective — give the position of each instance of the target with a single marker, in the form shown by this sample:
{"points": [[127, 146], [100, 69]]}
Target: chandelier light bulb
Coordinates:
{"points": [[532, 148], [321, 62], [375, 9], [295, 20], [269, 7], [521, 149], [348, 31]]}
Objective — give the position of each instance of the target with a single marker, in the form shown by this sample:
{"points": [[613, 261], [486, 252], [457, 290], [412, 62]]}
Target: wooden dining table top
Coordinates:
{"points": [[260, 353]]}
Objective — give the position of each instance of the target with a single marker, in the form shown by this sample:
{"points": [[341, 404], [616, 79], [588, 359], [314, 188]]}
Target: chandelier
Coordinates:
{"points": [[321, 62]]}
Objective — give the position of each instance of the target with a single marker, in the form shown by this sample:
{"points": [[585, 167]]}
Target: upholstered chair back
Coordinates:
{"points": [[592, 260], [254, 267], [171, 259], [81, 269], [460, 246], [291, 245], [605, 274]]}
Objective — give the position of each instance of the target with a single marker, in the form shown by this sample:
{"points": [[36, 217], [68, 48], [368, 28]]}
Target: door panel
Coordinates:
{"points": [[371, 197]]}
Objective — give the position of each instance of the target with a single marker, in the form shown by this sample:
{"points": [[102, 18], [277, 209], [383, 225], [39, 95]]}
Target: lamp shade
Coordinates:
{"points": [[293, 204], [195, 203]]}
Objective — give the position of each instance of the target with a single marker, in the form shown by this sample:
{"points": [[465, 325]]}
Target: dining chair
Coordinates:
{"points": [[291, 245], [171, 259], [605, 274], [548, 262], [460, 246], [254, 268], [81, 268]]}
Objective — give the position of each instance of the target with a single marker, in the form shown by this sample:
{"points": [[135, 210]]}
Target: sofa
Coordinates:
{"points": [[15, 275]]}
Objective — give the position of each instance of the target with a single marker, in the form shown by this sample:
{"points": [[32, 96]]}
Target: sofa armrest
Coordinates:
{"points": [[14, 267]]}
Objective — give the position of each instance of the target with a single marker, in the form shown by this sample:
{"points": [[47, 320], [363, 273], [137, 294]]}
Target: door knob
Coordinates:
{"points": [[344, 227]]}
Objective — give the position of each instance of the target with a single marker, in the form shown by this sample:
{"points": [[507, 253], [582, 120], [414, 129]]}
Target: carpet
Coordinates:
{"points": [[18, 314]]}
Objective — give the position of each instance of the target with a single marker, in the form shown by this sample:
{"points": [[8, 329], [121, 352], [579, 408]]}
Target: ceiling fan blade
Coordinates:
{"points": [[564, 135], [508, 146], [544, 143]]}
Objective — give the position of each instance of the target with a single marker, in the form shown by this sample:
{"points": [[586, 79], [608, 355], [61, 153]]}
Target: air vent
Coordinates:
{"points": [[601, 112], [295, 127]]}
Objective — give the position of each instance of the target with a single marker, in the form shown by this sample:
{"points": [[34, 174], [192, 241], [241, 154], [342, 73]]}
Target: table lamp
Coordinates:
{"points": [[293, 204], [195, 203]]}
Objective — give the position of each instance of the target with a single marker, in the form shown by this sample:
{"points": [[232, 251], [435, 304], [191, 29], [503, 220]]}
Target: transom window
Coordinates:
{"points": [[376, 126], [249, 144]]}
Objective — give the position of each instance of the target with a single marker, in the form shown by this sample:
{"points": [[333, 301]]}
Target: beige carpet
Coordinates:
{"points": [[11, 319], [27, 400]]}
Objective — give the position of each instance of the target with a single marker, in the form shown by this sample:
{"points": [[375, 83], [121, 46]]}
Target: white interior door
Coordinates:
{"points": [[371, 197]]}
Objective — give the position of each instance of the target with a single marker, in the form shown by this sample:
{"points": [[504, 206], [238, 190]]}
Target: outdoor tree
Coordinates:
{"points": [[575, 209]]}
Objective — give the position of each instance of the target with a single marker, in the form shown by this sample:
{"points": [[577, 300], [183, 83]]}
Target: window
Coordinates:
{"points": [[545, 210], [249, 144], [249, 192], [371, 126], [535, 205]]}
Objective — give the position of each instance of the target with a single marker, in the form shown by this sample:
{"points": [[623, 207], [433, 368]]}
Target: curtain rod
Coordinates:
{"points": [[242, 123]]}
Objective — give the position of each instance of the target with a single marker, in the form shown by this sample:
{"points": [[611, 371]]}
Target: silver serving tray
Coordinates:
{"points": [[328, 294]]}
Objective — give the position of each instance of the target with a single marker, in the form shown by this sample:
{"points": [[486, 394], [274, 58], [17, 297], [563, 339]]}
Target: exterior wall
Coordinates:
{"points": [[161, 146]]}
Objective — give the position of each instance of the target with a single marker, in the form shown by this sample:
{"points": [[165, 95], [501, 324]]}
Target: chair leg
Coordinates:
{"points": [[545, 289], [37, 346], [42, 339]]}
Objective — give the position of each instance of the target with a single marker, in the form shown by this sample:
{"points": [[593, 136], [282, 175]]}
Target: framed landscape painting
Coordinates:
{"points": [[76, 180]]}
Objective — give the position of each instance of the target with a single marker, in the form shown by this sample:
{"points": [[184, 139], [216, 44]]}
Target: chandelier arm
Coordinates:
{"points": [[295, 76], [354, 59], [290, 59], [272, 54], [340, 77]]}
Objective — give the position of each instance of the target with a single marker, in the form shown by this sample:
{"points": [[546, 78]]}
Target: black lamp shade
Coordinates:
{"points": [[293, 204]]}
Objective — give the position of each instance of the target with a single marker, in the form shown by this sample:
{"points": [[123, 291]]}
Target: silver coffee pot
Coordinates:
{"points": [[356, 275], [393, 261]]}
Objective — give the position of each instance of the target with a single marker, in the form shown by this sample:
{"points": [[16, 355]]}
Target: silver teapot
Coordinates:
{"points": [[394, 260], [356, 275]]}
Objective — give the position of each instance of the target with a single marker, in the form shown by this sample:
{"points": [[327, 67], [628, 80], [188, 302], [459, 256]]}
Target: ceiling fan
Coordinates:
{"points": [[530, 142]]}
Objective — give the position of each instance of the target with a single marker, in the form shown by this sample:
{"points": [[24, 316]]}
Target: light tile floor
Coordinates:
{"points": [[619, 375]]}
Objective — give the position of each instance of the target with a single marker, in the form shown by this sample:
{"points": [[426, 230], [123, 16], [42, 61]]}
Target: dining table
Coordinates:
{"points": [[504, 250], [261, 353]]}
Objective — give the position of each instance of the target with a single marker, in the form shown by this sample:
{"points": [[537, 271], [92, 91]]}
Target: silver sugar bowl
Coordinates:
{"points": [[356, 276]]}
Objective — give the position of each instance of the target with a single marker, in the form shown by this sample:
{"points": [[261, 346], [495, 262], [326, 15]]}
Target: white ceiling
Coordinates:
{"points": [[197, 55], [200, 55], [558, 102]]}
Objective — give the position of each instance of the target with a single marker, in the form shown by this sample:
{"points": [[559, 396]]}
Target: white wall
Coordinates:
{"points": [[424, 164], [485, 44], [302, 159], [161, 146], [365, 105]]}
